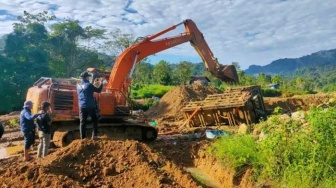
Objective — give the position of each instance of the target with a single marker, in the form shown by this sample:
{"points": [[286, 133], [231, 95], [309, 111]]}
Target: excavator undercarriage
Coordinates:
{"points": [[69, 131]]}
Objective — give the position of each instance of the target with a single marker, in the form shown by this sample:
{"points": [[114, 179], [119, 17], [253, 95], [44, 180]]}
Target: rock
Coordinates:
{"points": [[297, 116], [119, 168], [108, 171], [262, 136], [285, 118], [243, 129], [303, 121]]}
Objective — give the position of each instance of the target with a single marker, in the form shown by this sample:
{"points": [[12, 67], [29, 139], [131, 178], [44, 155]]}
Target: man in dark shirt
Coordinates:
{"points": [[43, 124], [87, 105], [27, 127]]}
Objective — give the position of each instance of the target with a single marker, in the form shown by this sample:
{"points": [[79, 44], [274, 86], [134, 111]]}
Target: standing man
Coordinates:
{"points": [[27, 127], [87, 105], [43, 124]]}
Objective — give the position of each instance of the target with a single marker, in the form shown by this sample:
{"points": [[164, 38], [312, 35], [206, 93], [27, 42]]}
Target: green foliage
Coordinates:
{"points": [[270, 92], [144, 105], [143, 73], [162, 73], [118, 42], [278, 110], [236, 151], [150, 91], [36, 48], [14, 123], [291, 154], [183, 72]]}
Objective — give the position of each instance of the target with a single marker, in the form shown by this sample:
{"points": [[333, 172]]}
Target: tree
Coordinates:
{"points": [[199, 68], [10, 97], [277, 79], [67, 58], [118, 42], [91, 35], [143, 73], [162, 73], [261, 79], [26, 50], [183, 72]]}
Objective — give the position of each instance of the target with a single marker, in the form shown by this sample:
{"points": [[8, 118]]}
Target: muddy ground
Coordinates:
{"points": [[111, 163], [170, 161]]}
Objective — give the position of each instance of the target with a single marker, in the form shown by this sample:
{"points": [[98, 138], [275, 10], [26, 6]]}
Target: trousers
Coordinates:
{"points": [[42, 149], [83, 115]]}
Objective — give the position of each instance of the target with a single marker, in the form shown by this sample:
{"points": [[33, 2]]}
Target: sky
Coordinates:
{"points": [[250, 32]]}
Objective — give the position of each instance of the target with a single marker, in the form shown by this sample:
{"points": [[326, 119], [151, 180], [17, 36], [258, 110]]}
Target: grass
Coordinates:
{"points": [[291, 155], [14, 123], [150, 91]]}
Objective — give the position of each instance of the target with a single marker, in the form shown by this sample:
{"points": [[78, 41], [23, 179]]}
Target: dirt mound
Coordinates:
{"points": [[300, 102], [170, 105], [103, 163], [11, 119]]}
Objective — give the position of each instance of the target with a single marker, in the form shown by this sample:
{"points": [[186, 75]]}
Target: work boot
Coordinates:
{"points": [[95, 137]]}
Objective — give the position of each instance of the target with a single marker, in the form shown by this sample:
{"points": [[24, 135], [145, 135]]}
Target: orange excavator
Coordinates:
{"points": [[114, 106]]}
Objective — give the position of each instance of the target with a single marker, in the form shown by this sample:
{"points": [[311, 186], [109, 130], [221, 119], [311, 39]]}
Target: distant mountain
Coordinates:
{"points": [[288, 66]]}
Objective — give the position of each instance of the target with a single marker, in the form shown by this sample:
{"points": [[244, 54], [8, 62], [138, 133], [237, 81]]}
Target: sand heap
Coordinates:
{"points": [[172, 102], [103, 163]]}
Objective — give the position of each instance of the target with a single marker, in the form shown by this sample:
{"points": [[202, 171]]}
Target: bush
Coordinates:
{"points": [[149, 91], [270, 92], [329, 88], [237, 151], [291, 155], [278, 110], [144, 106]]}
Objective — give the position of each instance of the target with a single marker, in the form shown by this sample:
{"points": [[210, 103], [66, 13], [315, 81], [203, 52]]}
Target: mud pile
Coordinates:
{"points": [[103, 163], [300, 102], [11, 119], [170, 105]]}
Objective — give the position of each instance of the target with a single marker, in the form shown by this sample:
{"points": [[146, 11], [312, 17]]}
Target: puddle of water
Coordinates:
{"points": [[203, 178], [9, 151]]}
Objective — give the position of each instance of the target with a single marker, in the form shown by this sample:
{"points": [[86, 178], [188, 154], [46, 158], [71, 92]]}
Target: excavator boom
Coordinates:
{"points": [[150, 45], [113, 103]]}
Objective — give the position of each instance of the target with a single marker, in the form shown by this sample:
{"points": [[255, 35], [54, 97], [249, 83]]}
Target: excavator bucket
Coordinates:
{"points": [[228, 73]]}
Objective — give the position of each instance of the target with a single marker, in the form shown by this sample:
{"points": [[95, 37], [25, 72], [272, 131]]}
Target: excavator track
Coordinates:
{"points": [[64, 135]]}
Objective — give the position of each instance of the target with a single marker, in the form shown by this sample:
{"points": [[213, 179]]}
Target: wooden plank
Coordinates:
{"points": [[192, 115]]}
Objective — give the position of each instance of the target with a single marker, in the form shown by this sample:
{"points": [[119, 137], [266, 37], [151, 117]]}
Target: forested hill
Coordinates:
{"points": [[287, 66]]}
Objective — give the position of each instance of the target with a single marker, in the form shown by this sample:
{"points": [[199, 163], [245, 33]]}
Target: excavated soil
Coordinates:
{"points": [[173, 101], [115, 163], [167, 113], [300, 102], [194, 153], [103, 163], [11, 119], [12, 134]]}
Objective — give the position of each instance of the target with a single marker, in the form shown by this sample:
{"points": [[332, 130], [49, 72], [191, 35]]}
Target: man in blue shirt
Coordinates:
{"points": [[27, 127], [87, 104]]}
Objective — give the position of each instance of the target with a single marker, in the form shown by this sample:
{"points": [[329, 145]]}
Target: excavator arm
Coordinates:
{"points": [[125, 62]]}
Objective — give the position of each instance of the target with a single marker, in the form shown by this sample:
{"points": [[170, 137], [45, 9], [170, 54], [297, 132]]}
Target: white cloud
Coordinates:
{"points": [[250, 32]]}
